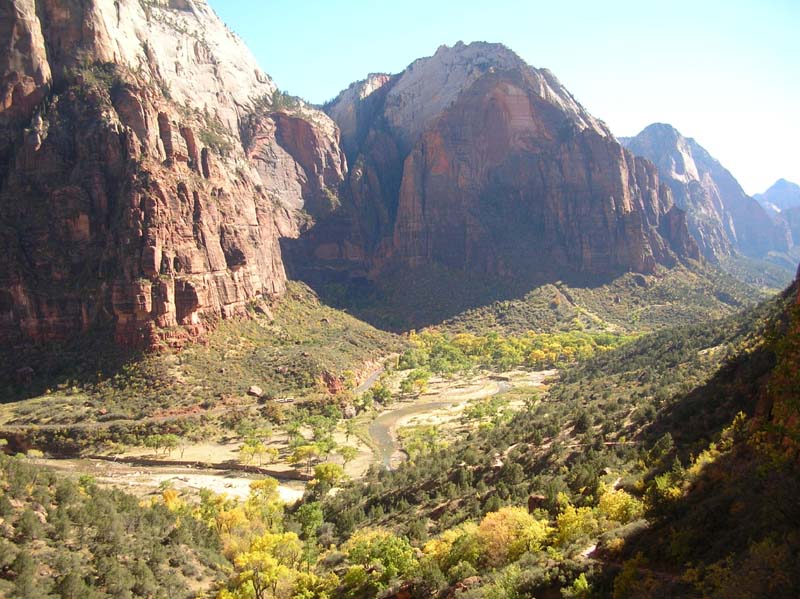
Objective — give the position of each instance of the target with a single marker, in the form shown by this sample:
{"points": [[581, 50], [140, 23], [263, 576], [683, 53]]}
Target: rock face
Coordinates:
{"points": [[148, 170], [721, 216], [474, 161], [783, 195], [782, 203]]}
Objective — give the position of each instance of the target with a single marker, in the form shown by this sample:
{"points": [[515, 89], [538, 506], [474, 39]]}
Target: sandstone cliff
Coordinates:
{"points": [[472, 160], [721, 216], [149, 168]]}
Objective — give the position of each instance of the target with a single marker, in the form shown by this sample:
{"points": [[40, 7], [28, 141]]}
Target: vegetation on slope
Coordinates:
{"points": [[442, 353], [629, 303], [430, 295], [728, 524], [666, 403], [639, 473], [772, 273], [89, 379], [73, 539]]}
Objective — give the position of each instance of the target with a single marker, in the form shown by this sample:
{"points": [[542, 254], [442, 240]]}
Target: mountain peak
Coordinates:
{"points": [[497, 53], [662, 128], [782, 195], [664, 145], [430, 85], [721, 216]]}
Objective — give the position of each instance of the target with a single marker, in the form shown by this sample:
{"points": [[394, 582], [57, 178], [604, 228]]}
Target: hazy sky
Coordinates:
{"points": [[724, 72]]}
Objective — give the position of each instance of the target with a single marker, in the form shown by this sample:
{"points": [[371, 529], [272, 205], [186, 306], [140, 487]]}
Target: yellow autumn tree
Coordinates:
{"points": [[618, 505], [506, 534]]}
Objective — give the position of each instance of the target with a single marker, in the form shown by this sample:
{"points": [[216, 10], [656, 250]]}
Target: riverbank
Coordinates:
{"points": [[216, 465], [443, 405]]}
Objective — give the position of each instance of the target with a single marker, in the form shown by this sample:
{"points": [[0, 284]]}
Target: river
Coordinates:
{"points": [[383, 431]]}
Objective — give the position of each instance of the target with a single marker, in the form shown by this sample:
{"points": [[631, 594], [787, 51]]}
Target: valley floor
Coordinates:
{"points": [[216, 465]]}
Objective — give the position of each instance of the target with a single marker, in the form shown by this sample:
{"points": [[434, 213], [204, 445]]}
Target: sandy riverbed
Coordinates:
{"points": [[143, 481], [441, 405]]}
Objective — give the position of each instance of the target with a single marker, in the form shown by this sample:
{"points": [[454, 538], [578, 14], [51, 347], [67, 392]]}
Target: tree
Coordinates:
{"points": [[308, 585], [26, 585], [506, 534], [619, 506], [574, 523], [348, 453], [305, 453], [310, 518], [262, 571], [329, 474], [252, 450], [455, 546], [392, 554], [415, 381], [29, 527], [264, 503], [272, 454], [381, 393], [350, 430]]}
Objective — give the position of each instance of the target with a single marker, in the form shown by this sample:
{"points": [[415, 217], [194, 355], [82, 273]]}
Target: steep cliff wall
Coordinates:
{"points": [[721, 216], [477, 162], [126, 195]]}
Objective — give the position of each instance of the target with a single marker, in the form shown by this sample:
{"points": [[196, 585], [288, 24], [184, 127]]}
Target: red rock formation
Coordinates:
{"points": [[123, 198], [299, 160], [480, 163]]}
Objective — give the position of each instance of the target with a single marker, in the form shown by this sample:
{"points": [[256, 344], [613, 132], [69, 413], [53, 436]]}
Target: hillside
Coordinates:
{"points": [[429, 296], [71, 538], [149, 168], [656, 412], [631, 463], [297, 350]]}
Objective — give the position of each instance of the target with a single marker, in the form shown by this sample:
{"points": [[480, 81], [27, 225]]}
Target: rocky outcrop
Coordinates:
{"points": [[721, 216], [300, 162], [474, 161], [126, 193], [355, 108]]}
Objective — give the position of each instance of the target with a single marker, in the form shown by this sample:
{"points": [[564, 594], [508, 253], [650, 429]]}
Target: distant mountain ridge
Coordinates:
{"points": [[721, 216], [782, 203], [782, 194]]}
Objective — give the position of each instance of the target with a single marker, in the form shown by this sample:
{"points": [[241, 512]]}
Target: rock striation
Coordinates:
{"points": [[474, 161], [149, 168], [721, 216]]}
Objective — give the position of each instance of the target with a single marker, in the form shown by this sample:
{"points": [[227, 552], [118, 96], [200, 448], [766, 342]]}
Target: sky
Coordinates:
{"points": [[726, 73]]}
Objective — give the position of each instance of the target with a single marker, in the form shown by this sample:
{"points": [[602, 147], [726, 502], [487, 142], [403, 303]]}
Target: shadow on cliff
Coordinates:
{"points": [[87, 361], [404, 298]]}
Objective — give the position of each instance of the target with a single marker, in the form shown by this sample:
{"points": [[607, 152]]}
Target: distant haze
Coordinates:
{"points": [[725, 73]]}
